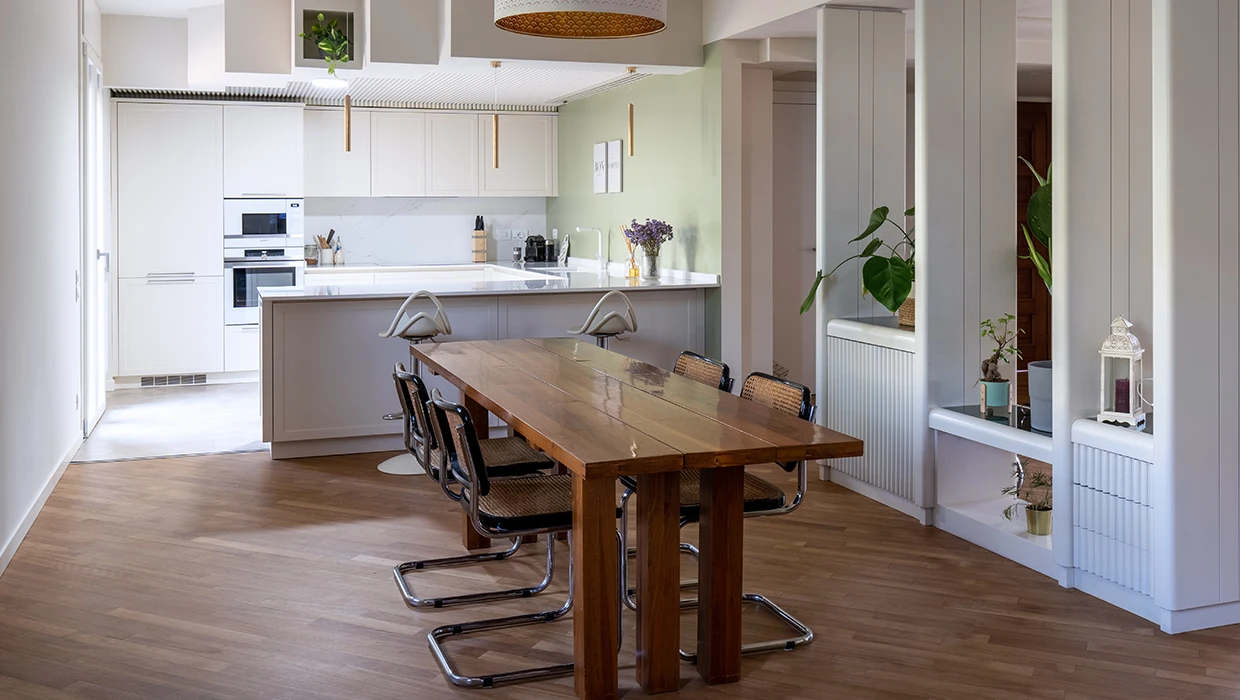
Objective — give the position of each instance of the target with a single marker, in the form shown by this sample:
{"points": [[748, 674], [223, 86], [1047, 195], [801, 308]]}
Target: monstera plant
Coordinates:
{"points": [[888, 272], [1039, 227]]}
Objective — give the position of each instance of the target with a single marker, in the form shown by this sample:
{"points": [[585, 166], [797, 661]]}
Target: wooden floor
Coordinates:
{"points": [[238, 577]]}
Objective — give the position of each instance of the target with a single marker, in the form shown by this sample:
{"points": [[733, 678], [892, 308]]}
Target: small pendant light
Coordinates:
{"points": [[348, 124], [582, 19], [631, 70], [495, 118]]}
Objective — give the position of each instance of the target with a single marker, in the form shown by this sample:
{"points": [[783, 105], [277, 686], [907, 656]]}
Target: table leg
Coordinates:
{"points": [[595, 589], [658, 582], [720, 574], [470, 537]]}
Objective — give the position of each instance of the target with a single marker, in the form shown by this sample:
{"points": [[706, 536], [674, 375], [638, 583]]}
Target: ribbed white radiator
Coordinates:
{"points": [[870, 396], [1112, 518]]}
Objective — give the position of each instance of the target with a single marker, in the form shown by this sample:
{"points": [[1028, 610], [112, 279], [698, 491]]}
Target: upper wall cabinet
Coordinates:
{"points": [[263, 151], [451, 155], [527, 156], [330, 170], [169, 200], [397, 154]]}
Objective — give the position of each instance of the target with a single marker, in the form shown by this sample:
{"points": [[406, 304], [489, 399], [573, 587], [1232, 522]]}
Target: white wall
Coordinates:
{"points": [[205, 25], [40, 356], [407, 231], [92, 25], [757, 136], [258, 36], [145, 52]]}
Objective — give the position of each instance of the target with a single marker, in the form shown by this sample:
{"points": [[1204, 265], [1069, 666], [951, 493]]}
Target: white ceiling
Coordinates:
{"points": [[153, 8], [1033, 20]]}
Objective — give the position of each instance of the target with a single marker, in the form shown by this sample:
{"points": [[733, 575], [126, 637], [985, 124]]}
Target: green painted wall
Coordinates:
{"points": [[673, 174]]}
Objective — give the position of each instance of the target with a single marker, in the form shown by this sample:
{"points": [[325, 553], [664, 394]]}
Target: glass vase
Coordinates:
{"points": [[650, 266]]}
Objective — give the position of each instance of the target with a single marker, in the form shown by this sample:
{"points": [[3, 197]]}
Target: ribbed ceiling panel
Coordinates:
{"points": [[506, 89]]}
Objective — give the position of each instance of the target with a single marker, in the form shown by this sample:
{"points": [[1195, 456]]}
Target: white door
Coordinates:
{"points": [[172, 325], [451, 155], [398, 154], [527, 155], [96, 249], [169, 190], [330, 170], [263, 151], [794, 238]]}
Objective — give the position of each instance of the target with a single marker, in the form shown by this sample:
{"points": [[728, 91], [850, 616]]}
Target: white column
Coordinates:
{"points": [[1196, 189], [966, 198], [861, 151], [1102, 266]]}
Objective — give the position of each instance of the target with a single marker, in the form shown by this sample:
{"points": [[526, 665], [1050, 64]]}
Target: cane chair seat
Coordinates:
{"points": [[760, 494]]}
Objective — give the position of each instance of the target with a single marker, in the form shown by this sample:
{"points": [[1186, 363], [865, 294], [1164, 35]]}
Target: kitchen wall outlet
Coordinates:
{"points": [[503, 234], [521, 234]]}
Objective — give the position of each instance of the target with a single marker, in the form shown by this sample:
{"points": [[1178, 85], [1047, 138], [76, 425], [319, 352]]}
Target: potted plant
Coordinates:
{"points": [[887, 278], [332, 42], [1041, 379], [1004, 338], [650, 236], [1038, 499]]}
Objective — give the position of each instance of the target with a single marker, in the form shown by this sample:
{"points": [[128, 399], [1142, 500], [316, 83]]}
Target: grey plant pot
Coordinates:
{"points": [[1041, 412]]}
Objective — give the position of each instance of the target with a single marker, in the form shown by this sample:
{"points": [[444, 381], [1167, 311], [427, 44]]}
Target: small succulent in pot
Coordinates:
{"points": [[1005, 351]]}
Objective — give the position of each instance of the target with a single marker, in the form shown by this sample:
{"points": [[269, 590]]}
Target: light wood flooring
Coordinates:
{"points": [[234, 576]]}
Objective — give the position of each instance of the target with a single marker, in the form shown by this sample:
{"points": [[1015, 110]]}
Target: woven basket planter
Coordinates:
{"points": [[906, 315]]}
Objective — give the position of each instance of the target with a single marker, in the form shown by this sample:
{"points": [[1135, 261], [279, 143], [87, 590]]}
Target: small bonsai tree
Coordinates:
{"points": [[1005, 340], [331, 41]]}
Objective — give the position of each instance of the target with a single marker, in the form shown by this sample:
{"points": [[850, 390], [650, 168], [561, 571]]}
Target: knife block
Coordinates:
{"points": [[480, 246]]}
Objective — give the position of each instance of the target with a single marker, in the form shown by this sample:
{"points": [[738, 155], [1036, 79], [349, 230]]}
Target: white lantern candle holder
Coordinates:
{"points": [[1122, 372]]}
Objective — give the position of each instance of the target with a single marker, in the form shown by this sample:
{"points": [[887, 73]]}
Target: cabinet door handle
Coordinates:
{"points": [[263, 194], [169, 274], [249, 329], [107, 260], [183, 280]]}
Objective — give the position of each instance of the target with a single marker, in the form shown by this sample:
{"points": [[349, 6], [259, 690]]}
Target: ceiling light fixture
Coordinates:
{"points": [[582, 19], [330, 83]]}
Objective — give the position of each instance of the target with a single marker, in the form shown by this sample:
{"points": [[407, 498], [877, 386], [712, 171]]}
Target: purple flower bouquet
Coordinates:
{"points": [[650, 236]]}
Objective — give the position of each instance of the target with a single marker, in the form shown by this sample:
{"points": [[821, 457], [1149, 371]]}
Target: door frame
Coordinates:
{"points": [[94, 281]]}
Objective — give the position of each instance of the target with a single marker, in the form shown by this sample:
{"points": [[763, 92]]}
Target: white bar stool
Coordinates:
{"points": [[611, 325], [416, 329]]}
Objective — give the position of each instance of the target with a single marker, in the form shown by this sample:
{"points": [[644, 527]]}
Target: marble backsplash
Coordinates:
{"points": [[414, 231]]}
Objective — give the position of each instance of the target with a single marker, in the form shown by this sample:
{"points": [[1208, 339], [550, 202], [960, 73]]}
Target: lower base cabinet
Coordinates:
{"points": [[170, 326], [242, 347]]}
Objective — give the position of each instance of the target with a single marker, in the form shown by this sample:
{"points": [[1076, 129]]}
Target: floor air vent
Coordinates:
{"points": [[175, 380]]}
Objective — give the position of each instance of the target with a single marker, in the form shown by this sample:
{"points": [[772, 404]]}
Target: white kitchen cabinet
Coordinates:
{"points": [[263, 147], [452, 149], [169, 198], [242, 348], [171, 326], [397, 154], [330, 170], [527, 156]]}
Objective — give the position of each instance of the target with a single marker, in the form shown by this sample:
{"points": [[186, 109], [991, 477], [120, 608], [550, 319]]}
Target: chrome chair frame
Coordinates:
{"points": [[420, 440], [804, 635], [475, 484]]}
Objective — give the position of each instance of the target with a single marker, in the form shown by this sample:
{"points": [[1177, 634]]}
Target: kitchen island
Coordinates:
{"points": [[327, 375]]}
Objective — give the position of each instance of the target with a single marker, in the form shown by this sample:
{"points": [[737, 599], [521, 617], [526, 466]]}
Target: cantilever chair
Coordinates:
{"points": [[500, 458], [531, 505], [762, 498], [605, 326], [705, 370]]}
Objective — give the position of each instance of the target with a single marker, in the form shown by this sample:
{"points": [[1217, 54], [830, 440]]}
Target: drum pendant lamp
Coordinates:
{"points": [[582, 19]]}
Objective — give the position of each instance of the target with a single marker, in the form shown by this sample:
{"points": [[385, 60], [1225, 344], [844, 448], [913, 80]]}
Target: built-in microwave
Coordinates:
{"points": [[247, 269], [264, 222]]}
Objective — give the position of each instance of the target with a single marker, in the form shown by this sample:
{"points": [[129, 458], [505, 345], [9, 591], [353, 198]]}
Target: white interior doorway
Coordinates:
{"points": [[96, 243], [795, 228]]}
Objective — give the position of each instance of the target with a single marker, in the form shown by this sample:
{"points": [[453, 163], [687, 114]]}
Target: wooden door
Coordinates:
{"points": [[1033, 301]]}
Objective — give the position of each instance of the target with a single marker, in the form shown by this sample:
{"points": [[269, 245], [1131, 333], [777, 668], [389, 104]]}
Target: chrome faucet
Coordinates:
{"points": [[603, 253]]}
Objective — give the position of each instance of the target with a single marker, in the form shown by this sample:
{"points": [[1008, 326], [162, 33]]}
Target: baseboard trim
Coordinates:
{"points": [[925, 516], [10, 547], [1121, 597], [337, 446]]}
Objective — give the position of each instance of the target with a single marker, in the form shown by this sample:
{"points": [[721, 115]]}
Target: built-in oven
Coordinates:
{"points": [[247, 269], [264, 222]]}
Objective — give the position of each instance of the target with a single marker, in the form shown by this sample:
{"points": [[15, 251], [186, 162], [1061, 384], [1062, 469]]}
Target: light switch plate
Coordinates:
{"points": [[503, 234]]}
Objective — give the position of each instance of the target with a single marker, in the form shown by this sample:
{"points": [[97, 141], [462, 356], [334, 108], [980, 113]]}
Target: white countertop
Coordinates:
{"points": [[883, 331], [488, 279]]}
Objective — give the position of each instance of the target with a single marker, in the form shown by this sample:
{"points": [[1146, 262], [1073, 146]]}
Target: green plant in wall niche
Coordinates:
{"points": [[331, 41], [887, 278], [1039, 217]]}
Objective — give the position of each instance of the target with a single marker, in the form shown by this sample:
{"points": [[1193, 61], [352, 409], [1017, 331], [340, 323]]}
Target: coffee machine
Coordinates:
{"points": [[538, 250]]}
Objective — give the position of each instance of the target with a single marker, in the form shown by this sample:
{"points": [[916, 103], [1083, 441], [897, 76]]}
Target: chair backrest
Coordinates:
{"points": [[705, 370], [424, 446], [611, 323], [456, 427], [420, 324], [781, 395]]}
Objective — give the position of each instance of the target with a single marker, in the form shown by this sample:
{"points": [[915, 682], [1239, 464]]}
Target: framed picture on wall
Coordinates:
{"points": [[600, 168], [615, 179]]}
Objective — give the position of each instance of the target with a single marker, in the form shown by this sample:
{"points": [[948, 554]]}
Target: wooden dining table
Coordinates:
{"points": [[603, 415]]}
